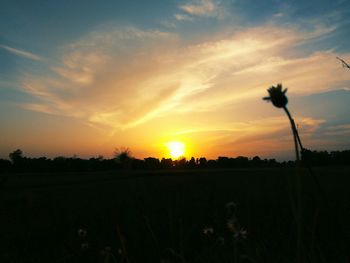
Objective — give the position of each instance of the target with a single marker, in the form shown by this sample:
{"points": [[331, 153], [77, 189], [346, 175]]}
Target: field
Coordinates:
{"points": [[174, 216]]}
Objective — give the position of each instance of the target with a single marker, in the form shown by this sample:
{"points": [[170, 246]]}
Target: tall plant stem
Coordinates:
{"points": [[297, 138], [298, 185], [295, 135]]}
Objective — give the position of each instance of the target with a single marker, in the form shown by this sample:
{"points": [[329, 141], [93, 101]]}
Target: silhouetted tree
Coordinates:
{"points": [[18, 160], [138, 164], [212, 164], [181, 163], [272, 163], [166, 163], [152, 163], [191, 163], [340, 157], [256, 161], [123, 157], [16, 156], [19, 163], [5, 165], [202, 163], [223, 162], [241, 161]]}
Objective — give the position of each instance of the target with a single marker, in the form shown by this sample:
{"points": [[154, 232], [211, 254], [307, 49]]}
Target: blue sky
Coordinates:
{"points": [[83, 77]]}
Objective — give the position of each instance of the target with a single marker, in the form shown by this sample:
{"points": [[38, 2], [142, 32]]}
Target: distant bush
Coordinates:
{"points": [[20, 163], [5, 165]]}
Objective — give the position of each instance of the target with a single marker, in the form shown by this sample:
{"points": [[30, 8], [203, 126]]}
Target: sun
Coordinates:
{"points": [[176, 149]]}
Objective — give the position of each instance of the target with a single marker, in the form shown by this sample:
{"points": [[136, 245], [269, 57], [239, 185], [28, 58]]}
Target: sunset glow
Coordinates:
{"points": [[176, 149], [191, 71], [174, 131]]}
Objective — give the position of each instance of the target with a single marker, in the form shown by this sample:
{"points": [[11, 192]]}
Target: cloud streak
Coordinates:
{"points": [[21, 53], [182, 17], [121, 78], [204, 8]]}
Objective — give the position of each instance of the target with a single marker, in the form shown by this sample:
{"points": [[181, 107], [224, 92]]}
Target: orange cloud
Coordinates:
{"points": [[122, 78]]}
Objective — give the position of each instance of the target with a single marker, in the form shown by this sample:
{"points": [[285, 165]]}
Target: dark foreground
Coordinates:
{"points": [[183, 216]]}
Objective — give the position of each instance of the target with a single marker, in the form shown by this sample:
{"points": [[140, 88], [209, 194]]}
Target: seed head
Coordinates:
{"points": [[208, 231], [82, 232], [241, 234], [84, 246], [277, 96]]}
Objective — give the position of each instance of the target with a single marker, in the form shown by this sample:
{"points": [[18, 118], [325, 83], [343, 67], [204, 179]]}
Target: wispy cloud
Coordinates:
{"points": [[22, 53], [121, 78], [337, 130], [182, 17], [206, 8]]}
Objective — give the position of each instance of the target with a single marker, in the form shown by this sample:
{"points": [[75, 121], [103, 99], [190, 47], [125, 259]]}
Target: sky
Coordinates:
{"points": [[85, 77]]}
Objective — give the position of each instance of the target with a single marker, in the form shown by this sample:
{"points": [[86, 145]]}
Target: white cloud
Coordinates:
{"points": [[280, 14], [206, 8], [168, 23], [21, 53], [182, 17]]}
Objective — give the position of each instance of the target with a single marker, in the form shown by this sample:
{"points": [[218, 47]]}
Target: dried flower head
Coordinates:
{"points": [[84, 246], [208, 231], [240, 234], [277, 96], [82, 232]]}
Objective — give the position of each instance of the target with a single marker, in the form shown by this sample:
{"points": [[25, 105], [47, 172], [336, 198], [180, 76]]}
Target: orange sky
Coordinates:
{"points": [[124, 85]]}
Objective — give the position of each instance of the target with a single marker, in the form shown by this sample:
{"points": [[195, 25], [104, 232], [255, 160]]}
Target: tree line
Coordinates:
{"points": [[123, 160]]}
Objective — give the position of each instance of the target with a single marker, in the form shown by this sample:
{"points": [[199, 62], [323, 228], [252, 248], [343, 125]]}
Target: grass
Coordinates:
{"points": [[155, 216]]}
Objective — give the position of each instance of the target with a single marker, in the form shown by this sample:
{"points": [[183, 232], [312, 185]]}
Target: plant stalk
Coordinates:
{"points": [[298, 185], [295, 135]]}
